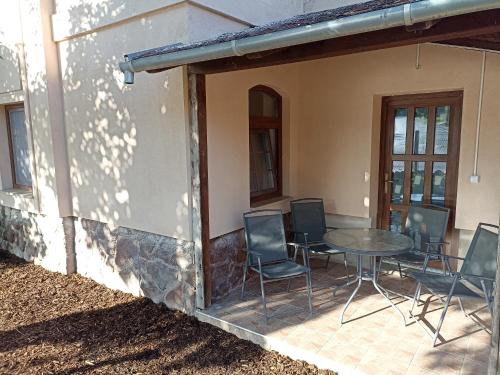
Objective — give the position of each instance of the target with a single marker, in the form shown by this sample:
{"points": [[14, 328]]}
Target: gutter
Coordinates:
{"points": [[402, 15]]}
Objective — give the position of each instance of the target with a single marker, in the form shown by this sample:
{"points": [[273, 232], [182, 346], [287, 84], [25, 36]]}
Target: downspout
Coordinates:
{"points": [[407, 14]]}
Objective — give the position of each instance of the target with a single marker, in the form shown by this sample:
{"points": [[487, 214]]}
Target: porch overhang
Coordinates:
{"points": [[362, 27]]}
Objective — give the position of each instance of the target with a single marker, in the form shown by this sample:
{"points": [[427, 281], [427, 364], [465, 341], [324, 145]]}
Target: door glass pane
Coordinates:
{"points": [[400, 120], [397, 177], [438, 183], [417, 182], [20, 148], [420, 130], [442, 130], [395, 221]]}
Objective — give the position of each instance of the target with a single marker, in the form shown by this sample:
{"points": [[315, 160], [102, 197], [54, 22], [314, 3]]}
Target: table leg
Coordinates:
{"points": [[353, 281], [358, 279], [381, 290]]}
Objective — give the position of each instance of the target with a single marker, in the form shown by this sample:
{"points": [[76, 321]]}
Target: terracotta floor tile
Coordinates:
{"points": [[474, 367], [374, 340]]}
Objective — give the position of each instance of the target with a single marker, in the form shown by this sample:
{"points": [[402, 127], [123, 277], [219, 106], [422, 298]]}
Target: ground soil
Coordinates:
{"points": [[56, 324]]}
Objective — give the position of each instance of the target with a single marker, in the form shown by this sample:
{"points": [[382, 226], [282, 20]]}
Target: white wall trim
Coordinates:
{"points": [[62, 26], [18, 199]]}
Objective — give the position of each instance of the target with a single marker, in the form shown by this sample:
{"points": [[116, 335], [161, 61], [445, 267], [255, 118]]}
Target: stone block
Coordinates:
{"points": [[127, 250]]}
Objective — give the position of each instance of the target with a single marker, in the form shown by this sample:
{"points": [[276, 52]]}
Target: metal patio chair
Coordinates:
{"points": [[426, 226], [267, 252], [309, 227], [476, 278]]}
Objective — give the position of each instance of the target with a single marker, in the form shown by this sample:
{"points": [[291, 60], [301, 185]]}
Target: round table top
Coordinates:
{"points": [[373, 242]]}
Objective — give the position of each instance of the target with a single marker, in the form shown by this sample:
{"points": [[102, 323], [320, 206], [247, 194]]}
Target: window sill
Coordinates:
{"points": [[18, 198], [18, 192], [277, 203]]}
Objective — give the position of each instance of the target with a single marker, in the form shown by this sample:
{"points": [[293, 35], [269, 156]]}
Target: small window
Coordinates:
{"points": [[18, 147], [265, 143]]}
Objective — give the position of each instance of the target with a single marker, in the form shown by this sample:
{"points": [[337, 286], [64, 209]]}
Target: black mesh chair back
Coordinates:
{"points": [[265, 234], [481, 258], [308, 216], [427, 224]]}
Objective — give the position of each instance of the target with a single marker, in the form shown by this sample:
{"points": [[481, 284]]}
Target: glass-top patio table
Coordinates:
{"points": [[371, 243]]}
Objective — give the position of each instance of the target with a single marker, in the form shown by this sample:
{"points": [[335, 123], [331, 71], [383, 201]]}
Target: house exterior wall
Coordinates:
{"points": [[128, 146], [111, 168], [32, 224], [111, 195]]}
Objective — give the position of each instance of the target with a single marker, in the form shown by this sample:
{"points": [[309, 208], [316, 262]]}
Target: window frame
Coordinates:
{"points": [[266, 123], [8, 108]]}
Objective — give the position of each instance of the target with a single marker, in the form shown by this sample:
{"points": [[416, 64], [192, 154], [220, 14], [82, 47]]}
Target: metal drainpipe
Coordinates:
{"points": [[401, 15]]}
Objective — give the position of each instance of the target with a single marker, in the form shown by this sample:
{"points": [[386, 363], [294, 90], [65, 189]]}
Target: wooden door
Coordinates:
{"points": [[420, 142]]}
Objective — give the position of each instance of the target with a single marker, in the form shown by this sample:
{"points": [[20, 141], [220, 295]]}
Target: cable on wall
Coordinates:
{"points": [[475, 177]]}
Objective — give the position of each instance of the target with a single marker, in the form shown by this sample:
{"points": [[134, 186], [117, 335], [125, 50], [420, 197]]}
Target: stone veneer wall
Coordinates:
{"points": [[144, 264], [227, 258], [45, 240]]}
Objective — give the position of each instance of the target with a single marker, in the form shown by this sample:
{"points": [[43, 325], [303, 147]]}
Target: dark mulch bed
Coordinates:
{"points": [[56, 324]]}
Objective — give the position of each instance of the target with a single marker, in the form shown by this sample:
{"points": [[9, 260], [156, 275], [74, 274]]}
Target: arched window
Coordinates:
{"points": [[265, 143]]}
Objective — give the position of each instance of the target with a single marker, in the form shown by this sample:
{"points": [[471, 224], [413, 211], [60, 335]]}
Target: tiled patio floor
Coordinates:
{"points": [[373, 341]]}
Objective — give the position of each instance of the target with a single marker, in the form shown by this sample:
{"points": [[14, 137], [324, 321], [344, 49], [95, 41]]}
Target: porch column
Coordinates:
{"points": [[199, 187], [494, 365]]}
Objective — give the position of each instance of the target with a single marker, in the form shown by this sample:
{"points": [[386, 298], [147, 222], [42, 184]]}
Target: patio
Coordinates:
{"points": [[374, 338]]}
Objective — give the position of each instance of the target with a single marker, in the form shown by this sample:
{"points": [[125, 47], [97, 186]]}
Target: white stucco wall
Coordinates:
{"points": [[342, 113], [227, 123], [10, 37], [128, 145]]}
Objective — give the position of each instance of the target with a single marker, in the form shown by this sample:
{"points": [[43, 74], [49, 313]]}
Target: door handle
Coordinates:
{"points": [[386, 183]]}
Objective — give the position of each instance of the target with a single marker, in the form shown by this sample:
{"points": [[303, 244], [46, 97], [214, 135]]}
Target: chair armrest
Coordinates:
{"points": [[305, 234], [253, 252], [420, 252], [432, 244], [437, 243], [296, 244], [451, 256], [466, 275]]}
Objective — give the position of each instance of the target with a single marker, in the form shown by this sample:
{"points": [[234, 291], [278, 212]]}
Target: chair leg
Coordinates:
{"points": [[445, 265], [440, 324], [400, 272], [309, 291], [327, 262], [447, 304], [488, 298], [462, 306], [294, 259], [345, 266], [426, 263], [379, 267], [245, 271], [263, 296], [415, 299]]}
